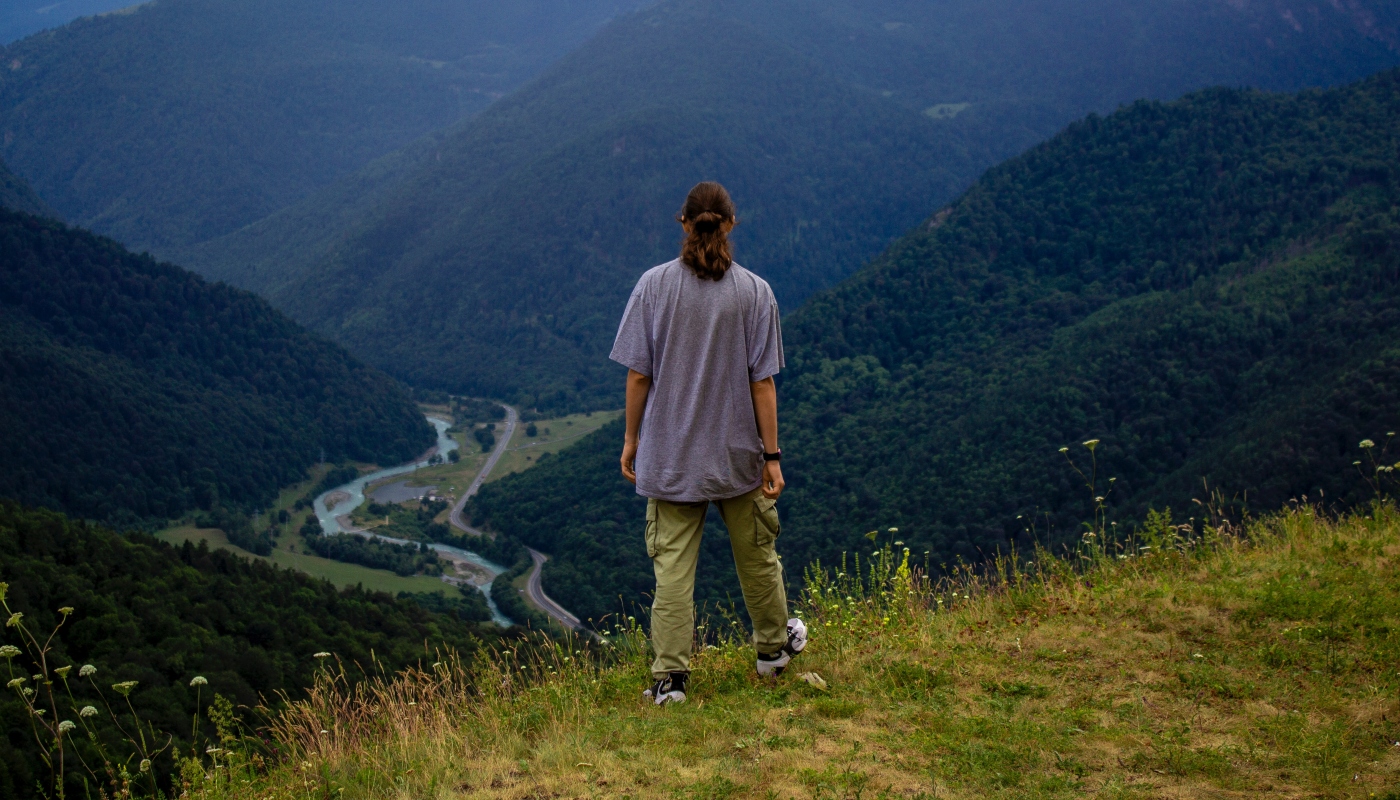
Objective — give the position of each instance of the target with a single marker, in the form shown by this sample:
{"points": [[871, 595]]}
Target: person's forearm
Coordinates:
{"points": [[638, 387], [765, 412]]}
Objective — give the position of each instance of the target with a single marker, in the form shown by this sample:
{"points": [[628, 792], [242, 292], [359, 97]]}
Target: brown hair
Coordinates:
{"points": [[707, 215]]}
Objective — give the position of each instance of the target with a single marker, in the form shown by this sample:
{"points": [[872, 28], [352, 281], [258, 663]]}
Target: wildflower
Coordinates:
{"points": [[16, 682], [66, 726], [28, 692], [124, 688], [322, 654], [63, 671], [1091, 444], [1356, 463], [14, 619], [1367, 444], [88, 711], [36, 676], [38, 712], [198, 680], [1098, 499], [86, 670], [145, 765], [1064, 449], [66, 610], [8, 652], [894, 530]]}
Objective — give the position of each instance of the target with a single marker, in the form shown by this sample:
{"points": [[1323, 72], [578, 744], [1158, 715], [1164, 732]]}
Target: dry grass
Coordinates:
{"points": [[1236, 666]]}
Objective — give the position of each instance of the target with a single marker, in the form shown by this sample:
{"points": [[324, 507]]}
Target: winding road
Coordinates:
{"points": [[533, 587]]}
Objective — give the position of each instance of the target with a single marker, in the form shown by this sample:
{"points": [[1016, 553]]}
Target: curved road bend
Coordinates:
{"points": [[533, 587]]}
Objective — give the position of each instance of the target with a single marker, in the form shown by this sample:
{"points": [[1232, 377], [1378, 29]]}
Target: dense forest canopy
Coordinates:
{"points": [[149, 612], [1207, 287], [499, 264], [180, 120], [133, 391]]}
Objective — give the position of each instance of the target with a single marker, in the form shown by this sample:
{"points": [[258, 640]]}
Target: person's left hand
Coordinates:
{"points": [[772, 480]]}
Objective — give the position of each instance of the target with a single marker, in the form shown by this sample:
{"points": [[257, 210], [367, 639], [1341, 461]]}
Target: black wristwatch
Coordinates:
{"points": [[778, 456]]}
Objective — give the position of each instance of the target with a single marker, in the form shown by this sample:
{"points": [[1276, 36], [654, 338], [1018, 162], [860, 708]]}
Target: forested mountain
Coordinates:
{"points": [[496, 260], [16, 194], [1207, 287], [22, 17], [176, 121], [145, 611], [132, 390]]}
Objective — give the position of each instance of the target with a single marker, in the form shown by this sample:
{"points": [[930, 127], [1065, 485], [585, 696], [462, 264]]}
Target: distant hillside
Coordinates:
{"points": [[132, 390], [495, 260], [16, 194], [1208, 287], [24, 17], [177, 121], [148, 612]]}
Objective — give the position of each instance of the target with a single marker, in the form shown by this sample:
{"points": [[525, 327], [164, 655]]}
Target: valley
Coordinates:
{"points": [[1087, 324]]}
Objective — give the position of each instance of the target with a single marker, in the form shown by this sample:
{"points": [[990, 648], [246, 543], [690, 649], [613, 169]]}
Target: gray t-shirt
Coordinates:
{"points": [[702, 342]]}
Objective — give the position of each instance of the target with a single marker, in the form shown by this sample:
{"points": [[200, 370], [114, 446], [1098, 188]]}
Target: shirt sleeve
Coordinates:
{"points": [[766, 338], [632, 347]]}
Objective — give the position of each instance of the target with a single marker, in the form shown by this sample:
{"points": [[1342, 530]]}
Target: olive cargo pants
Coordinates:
{"points": [[673, 541]]}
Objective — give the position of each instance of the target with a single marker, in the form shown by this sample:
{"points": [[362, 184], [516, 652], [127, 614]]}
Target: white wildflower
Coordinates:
{"points": [[86, 670], [198, 680], [88, 711], [66, 726]]}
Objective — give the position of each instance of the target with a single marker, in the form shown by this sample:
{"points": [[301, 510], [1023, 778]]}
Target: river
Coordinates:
{"points": [[330, 524]]}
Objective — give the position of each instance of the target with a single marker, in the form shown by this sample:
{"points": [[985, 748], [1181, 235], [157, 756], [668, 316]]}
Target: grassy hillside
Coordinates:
{"points": [[1206, 287], [181, 120], [134, 391], [1231, 661], [141, 610], [16, 195], [838, 125]]}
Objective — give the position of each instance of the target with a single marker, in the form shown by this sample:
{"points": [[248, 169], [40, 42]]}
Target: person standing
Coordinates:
{"points": [[701, 341]]}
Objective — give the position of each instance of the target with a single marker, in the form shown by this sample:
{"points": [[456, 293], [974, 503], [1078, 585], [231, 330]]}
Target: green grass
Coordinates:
{"points": [[1254, 663], [524, 451]]}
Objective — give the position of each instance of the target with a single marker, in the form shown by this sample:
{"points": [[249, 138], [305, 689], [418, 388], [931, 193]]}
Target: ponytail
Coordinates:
{"points": [[707, 213]]}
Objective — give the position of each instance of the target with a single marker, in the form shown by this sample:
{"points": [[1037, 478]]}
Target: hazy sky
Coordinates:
{"points": [[19, 18]]}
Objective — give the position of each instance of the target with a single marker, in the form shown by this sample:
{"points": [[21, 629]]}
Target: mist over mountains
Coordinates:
{"points": [[837, 125], [181, 120]]}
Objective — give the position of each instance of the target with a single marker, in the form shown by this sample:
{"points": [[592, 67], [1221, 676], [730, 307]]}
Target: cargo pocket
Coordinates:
{"points": [[652, 549], [765, 521]]}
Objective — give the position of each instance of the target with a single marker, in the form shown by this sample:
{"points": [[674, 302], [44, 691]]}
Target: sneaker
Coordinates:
{"points": [[670, 689], [772, 665]]}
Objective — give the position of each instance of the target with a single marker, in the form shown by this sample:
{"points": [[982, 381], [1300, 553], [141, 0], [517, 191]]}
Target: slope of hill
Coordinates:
{"points": [[16, 194], [24, 17], [1207, 287], [133, 391], [1219, 666], [148, 612], [498, 264], [180, 120]]}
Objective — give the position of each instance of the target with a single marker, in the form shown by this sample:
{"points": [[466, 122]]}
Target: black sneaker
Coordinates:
{"points": [[772, 665], [670, 689]]}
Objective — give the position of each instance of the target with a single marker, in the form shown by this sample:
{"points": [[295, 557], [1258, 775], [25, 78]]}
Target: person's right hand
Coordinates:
{"points": [[629, 461], [773, 484]]}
